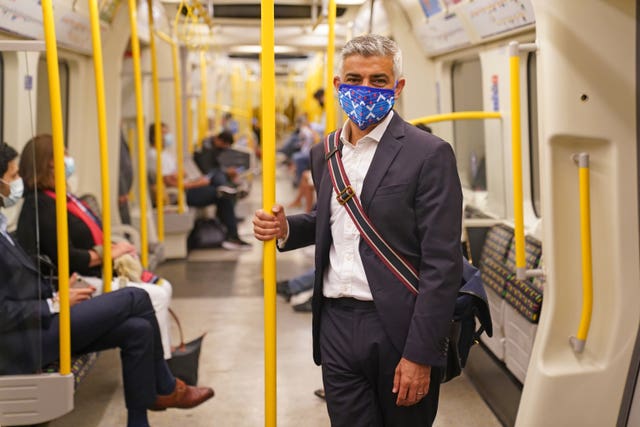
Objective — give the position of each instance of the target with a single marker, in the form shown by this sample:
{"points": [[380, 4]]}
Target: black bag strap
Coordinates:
{"points": [[347, 197]]}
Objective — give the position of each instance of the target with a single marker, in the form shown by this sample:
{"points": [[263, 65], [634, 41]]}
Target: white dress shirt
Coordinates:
{"points": [[345, 276]]}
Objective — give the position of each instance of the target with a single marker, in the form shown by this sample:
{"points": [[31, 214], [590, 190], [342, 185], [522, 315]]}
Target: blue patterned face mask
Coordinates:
{"points": [[365, 105]]}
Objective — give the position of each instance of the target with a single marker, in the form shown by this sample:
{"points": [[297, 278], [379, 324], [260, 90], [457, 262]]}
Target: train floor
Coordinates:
{"points": [[219, 293]]}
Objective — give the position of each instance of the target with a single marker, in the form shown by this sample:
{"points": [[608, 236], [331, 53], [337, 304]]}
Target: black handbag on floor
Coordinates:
{"points": [[185, 358], [206, 233]]}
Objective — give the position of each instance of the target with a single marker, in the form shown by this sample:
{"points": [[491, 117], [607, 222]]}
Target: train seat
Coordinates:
{"points": [[495, 273], [522, 310], [80, 367]]}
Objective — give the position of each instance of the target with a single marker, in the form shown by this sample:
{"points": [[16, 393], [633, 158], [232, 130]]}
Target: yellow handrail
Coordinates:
{"points": [[157, 125], [107, 273], [459, 115], [241, 112], [329, 104], [516, 159], [60, 185], [578, 341], [177, 91], [268, 76], [142, 160], [190, 125], [202, 106]]}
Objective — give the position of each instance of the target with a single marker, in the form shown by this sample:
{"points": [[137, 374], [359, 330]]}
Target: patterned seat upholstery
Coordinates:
{"points": [[493, 265], [80, 366], [525, 295]]}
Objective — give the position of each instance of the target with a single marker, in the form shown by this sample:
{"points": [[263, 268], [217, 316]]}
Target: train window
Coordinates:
{"points": [[468, 135], [43, 124], [534, 155]]}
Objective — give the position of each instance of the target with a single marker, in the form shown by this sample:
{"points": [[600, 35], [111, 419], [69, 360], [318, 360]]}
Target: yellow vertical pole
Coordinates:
{"points": [[218, 113], [329, 104], [107, 273], [202, 111], [516, 158], [267, 62], [60, 185], [190, 125], [177, 88], [130, 139], [142, 160], [157, 125]]}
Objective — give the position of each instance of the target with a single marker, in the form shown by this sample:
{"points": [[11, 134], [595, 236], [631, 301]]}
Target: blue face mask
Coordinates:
{"points": [[167, 140], [365, 105], [69, 166], [16, 189]]}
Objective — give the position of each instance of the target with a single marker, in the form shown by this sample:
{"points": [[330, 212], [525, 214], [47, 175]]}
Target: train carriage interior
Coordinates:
{"points": [[538, 98]]}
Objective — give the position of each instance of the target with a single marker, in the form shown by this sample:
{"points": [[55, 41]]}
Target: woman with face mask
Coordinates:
{"points": [[85, 228]]}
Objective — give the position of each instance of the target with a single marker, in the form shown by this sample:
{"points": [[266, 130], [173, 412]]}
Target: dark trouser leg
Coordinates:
{"points": [[204, 196], [123, 319], [125, 216], [358, 366]]}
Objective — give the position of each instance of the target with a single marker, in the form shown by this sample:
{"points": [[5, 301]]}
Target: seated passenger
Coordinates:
{"points": [[125, 319], [85, 229], [200, 191], [208, 161]]}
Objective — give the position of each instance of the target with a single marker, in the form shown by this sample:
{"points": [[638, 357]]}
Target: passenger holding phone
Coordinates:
{"points": [[124, 319], [85, 228]]}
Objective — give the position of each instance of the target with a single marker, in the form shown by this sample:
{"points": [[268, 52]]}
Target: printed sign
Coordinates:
{"points": [[24, 17], [491, 17], [442, 33], [430, 7]]}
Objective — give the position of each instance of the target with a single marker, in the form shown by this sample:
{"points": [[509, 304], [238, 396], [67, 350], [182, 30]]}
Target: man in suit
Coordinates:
{"points": [[29, 322], [380, 346]]}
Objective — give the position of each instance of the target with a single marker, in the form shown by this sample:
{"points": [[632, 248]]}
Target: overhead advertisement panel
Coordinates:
{"points": [[491, 17], [24, 17], [430, 7], [442, 33]]}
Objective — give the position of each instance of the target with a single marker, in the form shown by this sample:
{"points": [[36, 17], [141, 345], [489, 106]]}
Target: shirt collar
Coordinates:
{"points": [[375, 135]]}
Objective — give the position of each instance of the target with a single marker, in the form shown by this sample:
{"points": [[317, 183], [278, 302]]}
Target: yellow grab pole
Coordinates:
{"points": [[60, 185], [267, 62], [516, 159], [202, 111], [578, 342], [177, 94], [130, 139], [142, 160], [329, 104], [190, 124], [460, 115], [107, 273], [157, 125]]}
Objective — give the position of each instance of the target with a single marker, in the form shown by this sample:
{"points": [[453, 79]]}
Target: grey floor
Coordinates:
{"points": [[220, 293]]}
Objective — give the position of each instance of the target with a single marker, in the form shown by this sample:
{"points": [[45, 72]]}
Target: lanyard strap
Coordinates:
{"points": [[347, 197]]}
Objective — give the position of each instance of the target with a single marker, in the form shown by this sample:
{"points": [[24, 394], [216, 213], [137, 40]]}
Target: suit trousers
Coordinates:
{"points": [[124, 318], [358, 367]]}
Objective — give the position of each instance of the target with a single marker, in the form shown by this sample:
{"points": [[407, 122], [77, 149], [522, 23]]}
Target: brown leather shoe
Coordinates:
{"points": [[184, 396]]}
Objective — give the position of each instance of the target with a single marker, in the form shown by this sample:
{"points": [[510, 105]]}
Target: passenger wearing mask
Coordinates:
{"points": [[201, 190], [381, 340], [124, 319], [37, 231]]}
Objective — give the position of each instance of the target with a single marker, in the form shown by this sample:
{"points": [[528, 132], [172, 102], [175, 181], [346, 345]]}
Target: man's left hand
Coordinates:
{"points": [[411, 382]]}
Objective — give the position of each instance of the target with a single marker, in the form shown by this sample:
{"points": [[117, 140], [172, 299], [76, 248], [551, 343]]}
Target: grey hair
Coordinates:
{"points": [[373, 45]]}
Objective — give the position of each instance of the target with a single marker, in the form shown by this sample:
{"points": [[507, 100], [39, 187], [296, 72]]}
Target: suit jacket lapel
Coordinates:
{"points": [[17, 252], [388, 148]]}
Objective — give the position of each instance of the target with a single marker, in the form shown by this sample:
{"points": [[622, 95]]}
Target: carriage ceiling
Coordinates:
{"points": [[300, 26]]}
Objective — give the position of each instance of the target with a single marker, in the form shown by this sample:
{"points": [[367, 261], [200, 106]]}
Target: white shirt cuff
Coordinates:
{"points": [[283, 241]]}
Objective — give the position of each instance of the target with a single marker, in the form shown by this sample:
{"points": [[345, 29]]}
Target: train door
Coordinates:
{"points": [[468, 135]]}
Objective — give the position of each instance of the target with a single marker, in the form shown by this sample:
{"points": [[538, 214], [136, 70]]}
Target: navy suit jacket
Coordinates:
{"points": [[412, 194], [24, 311]]}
